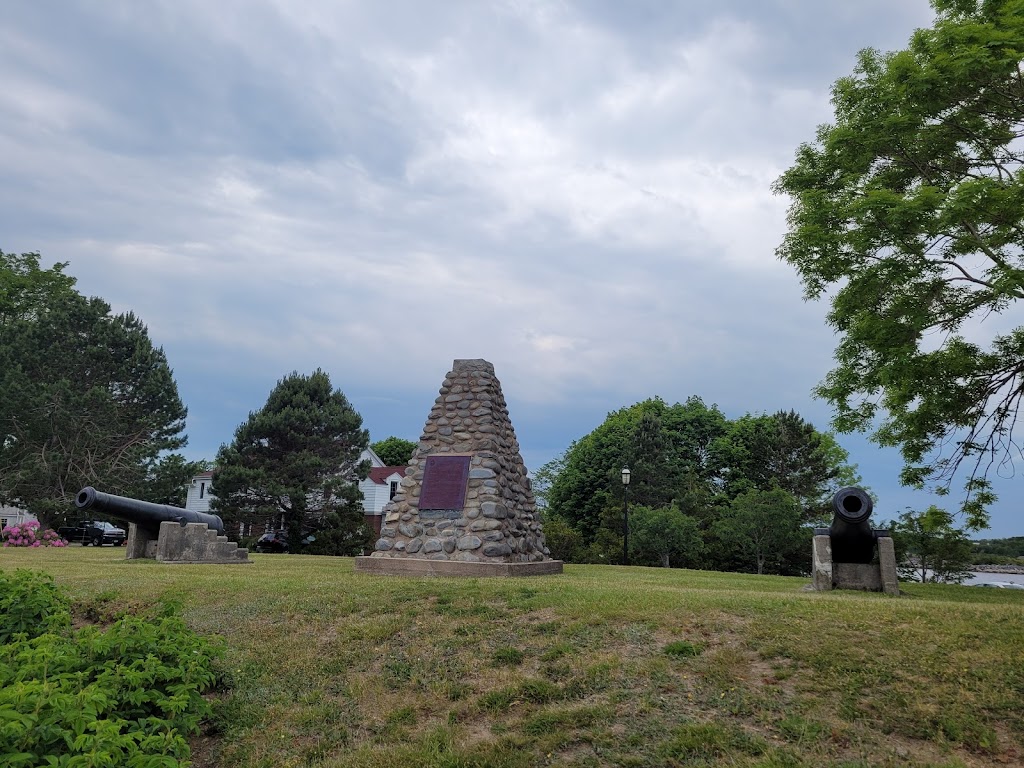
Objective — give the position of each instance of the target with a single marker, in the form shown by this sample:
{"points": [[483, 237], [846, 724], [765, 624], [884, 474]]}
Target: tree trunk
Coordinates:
{"points": [[664, 560]]}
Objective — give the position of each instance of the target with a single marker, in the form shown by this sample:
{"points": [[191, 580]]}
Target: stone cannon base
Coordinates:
{"points": [[194, 543], [411, 566], [870, 577]]}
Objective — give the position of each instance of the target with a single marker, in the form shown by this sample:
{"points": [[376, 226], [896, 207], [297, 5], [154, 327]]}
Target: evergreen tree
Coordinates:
{"points": [[85, 397], [296, 462]]}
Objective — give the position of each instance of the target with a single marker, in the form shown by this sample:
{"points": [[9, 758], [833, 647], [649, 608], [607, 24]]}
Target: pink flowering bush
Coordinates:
{"points": [[28, 535]]}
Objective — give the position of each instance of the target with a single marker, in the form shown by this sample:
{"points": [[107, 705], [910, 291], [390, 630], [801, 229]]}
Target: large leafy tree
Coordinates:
{"points": [[664, 537], [85, 397], [297, 461], [763, 527], [666, 447], [785, 451], [910, 207], [394, 451], [690, 457]]}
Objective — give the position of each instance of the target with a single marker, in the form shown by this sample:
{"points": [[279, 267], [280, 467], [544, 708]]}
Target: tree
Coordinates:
{"points": [[782, 451], [929, 548], [542, 480], [664, 537], [911, 206], [764, 527], [297, 461], [563, 541], [666, 447], [85, 398], [168, 479], [394, 451]]}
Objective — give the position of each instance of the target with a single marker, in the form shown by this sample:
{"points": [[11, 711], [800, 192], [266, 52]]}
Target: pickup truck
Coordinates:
{"points": [[98, 532]]}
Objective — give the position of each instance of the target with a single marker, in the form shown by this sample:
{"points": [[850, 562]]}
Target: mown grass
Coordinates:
{"points": [[599, 666]]}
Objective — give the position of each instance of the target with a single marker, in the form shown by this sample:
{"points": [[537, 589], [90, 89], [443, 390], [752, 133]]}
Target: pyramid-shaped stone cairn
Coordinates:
{"points": [[465, 506]]}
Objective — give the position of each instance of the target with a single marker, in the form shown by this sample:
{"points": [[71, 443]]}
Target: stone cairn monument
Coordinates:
{"points": [[465, 507]]}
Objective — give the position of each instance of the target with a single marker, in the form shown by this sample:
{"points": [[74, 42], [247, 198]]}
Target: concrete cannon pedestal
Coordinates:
{"points": [[191, 543], [870, 577]]}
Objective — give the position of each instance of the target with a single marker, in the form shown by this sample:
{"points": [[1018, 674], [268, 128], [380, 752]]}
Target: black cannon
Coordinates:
{"points": [[844, 553], [852, 538], [144, 514]]}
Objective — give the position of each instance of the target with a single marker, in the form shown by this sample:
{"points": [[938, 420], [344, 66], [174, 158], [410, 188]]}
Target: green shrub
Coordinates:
{"points": [[126, 695], [30, 605]]}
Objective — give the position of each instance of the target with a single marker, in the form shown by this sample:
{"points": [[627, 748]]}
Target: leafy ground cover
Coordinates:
{"points": [[599, 666]]}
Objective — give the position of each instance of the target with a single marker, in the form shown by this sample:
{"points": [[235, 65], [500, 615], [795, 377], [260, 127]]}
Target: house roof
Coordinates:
{"points": [[379, 475]]}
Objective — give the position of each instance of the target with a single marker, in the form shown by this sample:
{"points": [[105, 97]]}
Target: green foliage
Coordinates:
{"points": [[784, 451], [1011, 547], [664, 537], [909, 207], [563, 541], [542, 480], [929, 548], [127, 695], [764, 527], [394, 451], [688, 462], [296, 462], [30, 605], [666, 448], [168, 479], [85, 398]]}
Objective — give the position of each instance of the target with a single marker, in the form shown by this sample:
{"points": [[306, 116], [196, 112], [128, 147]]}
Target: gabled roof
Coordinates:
{"points": [[379, 475]]}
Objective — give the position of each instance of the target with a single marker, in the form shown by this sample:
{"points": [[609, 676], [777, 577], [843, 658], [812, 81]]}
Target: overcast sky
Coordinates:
{"points": [[575, 191]]}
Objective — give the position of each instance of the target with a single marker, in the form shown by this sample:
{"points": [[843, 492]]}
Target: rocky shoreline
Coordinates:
{"points": [[998, 569]]}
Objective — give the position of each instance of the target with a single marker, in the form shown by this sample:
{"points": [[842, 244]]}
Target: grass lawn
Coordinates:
{"points": [[599, 666]]}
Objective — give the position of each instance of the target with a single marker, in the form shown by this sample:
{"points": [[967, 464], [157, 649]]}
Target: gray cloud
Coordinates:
{"points": [[577, 191]]}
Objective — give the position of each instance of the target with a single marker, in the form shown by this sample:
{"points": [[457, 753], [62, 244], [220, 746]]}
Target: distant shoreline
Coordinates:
{"points": [[998, 568]]}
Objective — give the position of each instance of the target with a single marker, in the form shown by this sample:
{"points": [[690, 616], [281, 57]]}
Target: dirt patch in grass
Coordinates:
{"points": [[205, 751]]}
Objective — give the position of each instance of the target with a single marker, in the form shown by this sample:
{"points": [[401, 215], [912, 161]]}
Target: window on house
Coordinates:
{"points": [[394, 488], [3, 522], [202, 490]]}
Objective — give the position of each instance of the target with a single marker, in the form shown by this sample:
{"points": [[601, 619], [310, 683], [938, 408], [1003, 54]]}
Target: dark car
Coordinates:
{"points": [[98, 532], [274, 541]]}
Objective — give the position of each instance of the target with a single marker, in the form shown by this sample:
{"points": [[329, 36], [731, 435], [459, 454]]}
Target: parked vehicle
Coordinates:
{"points": [[98, 532], [999, 584], [272, 541]]}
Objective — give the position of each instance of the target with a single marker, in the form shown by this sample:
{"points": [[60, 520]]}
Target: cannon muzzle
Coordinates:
{"points": [[853, 541], [143, 513]]}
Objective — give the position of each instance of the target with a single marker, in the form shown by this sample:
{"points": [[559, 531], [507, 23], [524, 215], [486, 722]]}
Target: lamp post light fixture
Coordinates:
{"points": [[625, 515]]}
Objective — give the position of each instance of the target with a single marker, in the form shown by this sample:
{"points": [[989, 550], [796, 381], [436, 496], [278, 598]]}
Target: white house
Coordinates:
{"points": [[378, 489], [14, 516]]}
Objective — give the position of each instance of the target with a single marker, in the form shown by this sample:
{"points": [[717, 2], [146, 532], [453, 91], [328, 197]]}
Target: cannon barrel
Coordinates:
{"points": [[142, 513], [853, 541]]}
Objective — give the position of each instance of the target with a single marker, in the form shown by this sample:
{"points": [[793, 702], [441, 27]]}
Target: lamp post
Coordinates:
{"points": [[625, 515]]}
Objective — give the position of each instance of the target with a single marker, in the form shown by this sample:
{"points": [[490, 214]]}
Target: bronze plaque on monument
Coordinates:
{"points": [[444, 482]]}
